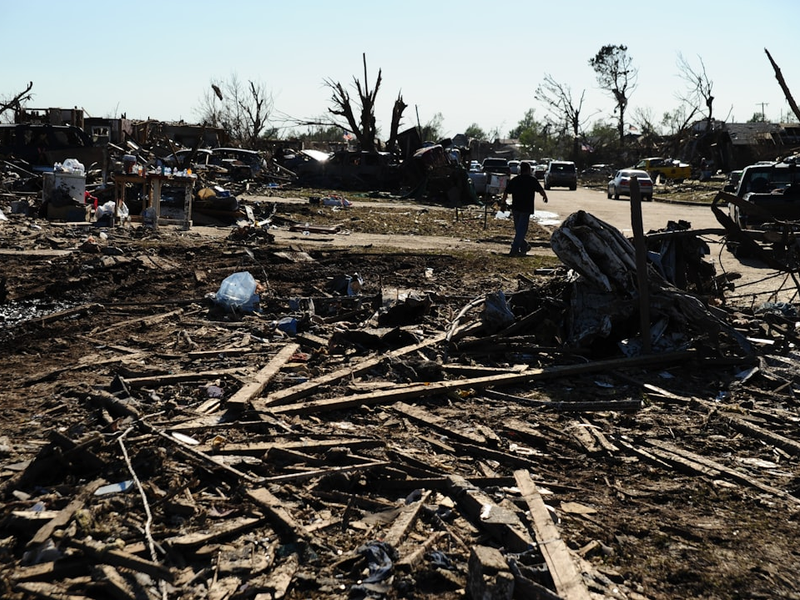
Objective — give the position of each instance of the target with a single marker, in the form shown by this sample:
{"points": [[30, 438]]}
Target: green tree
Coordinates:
{"points": [[527, 122], [474, 132], [616, 75], [758, 117], [534, 136], [432, 130]]}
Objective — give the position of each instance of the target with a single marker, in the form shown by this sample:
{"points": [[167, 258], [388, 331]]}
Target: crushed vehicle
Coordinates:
{"points": [[763, 217], [665, 168], [360, 170], [41, 145], [768, 192], [239, 163]]}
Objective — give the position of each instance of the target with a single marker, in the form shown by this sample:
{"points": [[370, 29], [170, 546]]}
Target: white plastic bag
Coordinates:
{"points": [[237, 293]]}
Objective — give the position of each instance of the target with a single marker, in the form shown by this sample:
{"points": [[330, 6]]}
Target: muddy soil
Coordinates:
{"points": [[680, 495]]}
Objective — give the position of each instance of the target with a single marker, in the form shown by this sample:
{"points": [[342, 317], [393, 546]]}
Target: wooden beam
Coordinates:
{"points": [[110, 556], [405, 521], [566, 576], [423, 390], [309, 387], [501, 523], [65, 514], [267, 373], [280, 517]]}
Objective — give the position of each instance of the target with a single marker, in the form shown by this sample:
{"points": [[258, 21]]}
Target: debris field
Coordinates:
{"points": [[387, 424]]}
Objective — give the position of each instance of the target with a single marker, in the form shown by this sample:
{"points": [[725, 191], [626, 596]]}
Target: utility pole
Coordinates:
{"points": [[763, 104]]}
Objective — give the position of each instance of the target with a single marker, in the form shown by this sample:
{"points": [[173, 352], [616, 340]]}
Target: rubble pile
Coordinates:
{"points": [[385, 426]]}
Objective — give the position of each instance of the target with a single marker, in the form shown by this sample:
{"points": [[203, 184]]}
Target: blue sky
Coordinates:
{"points": [[472, 62]]}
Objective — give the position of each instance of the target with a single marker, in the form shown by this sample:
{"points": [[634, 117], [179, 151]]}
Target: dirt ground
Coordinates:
{"points": [[671, 477]]}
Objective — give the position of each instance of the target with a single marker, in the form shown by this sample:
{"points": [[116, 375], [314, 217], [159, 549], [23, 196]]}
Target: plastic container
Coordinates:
{"points": [[237, 293]]}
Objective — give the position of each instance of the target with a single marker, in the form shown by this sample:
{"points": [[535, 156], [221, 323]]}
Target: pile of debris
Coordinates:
{"points": [[349, 437]]}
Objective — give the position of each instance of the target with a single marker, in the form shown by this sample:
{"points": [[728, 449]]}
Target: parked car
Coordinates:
{"points": [[620, 184], [561, 173], [513, 167], [496, 165], [539, 170], [598, 171], [666, 168], [475, 166]]}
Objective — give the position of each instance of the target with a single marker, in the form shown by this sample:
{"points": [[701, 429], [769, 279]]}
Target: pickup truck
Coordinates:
{"points": [[666, 168], [770, 192]]}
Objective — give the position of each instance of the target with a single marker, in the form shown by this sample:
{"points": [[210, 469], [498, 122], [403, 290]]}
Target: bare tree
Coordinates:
{"points": [[786, 92], [699, 89], [16, 102], [364, 128], [242, 110], [563, 110], [616, 75]]}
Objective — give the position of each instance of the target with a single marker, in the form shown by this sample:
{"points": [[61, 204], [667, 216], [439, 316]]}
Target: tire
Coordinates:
{"points": [[547, 186], [616, 194], [647, 198], [609, 193], [573, 187]]}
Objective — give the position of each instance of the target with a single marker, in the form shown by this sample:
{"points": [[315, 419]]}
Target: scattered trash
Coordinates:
{"points": [[237, 293], [114, 488], [496, 313], [182, 437]]}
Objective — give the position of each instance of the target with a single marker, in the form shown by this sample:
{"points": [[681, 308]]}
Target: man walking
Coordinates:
{"points": [[523, 190]]}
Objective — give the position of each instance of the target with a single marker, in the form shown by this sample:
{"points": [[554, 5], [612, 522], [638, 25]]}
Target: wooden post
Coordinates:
{"points": [[641, 264]]}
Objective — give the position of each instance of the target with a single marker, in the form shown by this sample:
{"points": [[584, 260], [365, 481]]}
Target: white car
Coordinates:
{"points": [[620, 184], [513, 167]]}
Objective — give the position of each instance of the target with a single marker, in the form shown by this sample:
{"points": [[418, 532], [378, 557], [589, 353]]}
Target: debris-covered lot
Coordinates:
{"points": [[388, 423]]}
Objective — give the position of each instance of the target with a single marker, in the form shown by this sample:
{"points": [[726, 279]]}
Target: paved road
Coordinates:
{"points": [[757, 283], [655, 215]]}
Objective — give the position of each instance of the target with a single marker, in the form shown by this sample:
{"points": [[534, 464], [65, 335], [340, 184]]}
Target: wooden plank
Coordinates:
{"points": [[47, 591], [420, 415], [710, 468], [293, 477], [566, 576], [114, 583], [499, 522], [198, 538], [267, 373], [118, 558], [567, 406], [261, 448], [171, 378], [405, 521], [65, 514], [503, 458], [277, 514], [408, 562], [309, 387], [50, 571], [602, 441], [149, 320], [438, 387], [777, 440]]}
